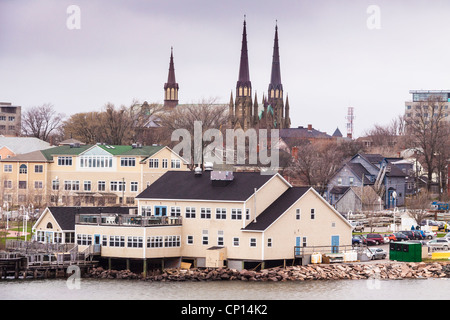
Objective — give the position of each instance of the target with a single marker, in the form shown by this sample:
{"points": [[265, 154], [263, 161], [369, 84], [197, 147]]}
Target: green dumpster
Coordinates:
{"points": [[405, 251]]}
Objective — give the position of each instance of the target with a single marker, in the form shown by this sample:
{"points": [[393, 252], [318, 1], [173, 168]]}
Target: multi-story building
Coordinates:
{"points": [[10, 119], [84, 174], [210, 218], [418, 106]]}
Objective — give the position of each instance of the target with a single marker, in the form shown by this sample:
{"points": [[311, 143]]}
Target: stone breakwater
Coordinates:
{"points": [[383, 271]]}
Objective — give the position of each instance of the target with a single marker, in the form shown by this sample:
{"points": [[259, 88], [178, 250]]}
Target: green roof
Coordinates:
{"points": [[115, 150]]}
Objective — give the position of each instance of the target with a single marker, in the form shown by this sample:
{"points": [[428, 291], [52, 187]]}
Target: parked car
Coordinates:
{"points": [[430, 234], [400, 236], [409, 234], [378, 238], [378, 253], [356, 240], [357, 226], [389, 237], [440, 244], [418, 234]]}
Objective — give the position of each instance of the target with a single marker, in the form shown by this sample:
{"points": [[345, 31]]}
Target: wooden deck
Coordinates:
{"points": [[25, 259]]}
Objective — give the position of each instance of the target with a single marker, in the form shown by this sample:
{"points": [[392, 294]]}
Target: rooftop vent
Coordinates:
{"points": [[198, 171], [208, 166]]}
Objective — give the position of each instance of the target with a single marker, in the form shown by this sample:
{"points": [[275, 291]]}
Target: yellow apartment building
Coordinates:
{"points": [[208, 219], [84, 175]]}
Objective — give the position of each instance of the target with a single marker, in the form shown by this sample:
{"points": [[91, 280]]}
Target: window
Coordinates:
{"points": [[172, 241], [38, 184], [134, 242], [339, 182], [175, 211], [253, 242], [235, 242], [71, 185], [7, 168], [155, 242], [127, 162], [236, 214], [133, 186], [220, 238], [146, 211], [205, 213], [117, 186], [87, 186], [104, 241], [7, 184], [247, 214], [94, 161], [221, 213], [269, 242], [175, 163], [117, 241], [84, 239], [11, 118], [313, 214], [190, 239], [297, 214], [205, 237], [190, 212], [2, 118], [55, 185], [153, 163], [22, 184], [64, 161], [304, 242], [101, 185], [23, 169], [38, 168], [164, 163], [351, 180]]}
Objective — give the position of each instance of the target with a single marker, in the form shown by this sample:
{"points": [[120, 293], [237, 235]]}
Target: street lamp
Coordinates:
{"points": [[394, 196]]}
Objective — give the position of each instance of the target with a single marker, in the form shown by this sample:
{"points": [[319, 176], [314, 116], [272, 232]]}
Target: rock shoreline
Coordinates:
{"points": [[382, 271]]}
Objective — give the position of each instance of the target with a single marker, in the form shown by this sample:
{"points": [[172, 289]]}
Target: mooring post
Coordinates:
{"points": [[145, 268]]}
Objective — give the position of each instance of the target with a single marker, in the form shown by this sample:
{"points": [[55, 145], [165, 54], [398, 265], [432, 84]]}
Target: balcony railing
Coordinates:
{"points": [[126, 220]]}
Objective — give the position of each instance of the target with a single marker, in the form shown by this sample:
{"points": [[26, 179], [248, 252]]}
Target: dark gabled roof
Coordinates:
{"points": [[339, 189], [359, 170], [277, 208], [65, 216], [185, 185]]}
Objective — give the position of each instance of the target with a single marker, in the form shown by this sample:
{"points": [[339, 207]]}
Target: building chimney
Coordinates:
{"points": [[309, 127], [294, 152]]}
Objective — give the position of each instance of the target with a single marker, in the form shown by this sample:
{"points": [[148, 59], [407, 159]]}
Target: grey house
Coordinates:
{"points": [[388, 180]]}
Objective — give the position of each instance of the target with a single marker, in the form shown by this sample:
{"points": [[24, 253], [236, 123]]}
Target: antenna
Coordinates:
{"points": [[350, 117]]}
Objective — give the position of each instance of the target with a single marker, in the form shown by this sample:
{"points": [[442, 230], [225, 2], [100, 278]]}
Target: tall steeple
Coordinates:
{"points": [[171, 86], [244, 85], [275, 86]]}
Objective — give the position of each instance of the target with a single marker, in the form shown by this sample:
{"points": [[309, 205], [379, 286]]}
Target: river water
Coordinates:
{"points": [[102, 289]]}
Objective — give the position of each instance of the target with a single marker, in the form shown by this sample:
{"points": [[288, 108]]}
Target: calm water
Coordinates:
{"points": [[95, 289]]}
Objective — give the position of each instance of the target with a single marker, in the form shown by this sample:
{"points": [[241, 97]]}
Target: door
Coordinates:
{"points": [[297, 246], [160, 211], [334, 244], [96, 244]]}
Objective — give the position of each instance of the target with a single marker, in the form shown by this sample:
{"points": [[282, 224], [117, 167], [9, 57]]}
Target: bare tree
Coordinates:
{"points": [[316, 163], [41, 121], [211, 115], [427, 133]]}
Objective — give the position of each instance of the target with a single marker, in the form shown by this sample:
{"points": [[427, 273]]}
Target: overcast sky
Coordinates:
{"points": [[331, 57]]}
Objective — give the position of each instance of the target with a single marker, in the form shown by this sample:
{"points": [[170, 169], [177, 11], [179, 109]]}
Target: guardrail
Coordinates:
{"points": [[126, 220]]}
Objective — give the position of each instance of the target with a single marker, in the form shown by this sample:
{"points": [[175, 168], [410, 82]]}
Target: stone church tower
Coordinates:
{"points": [[245, 113], [171, 86]]}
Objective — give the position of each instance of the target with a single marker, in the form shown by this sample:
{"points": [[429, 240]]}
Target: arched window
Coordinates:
{"points": [[49, 225], [23, 168]]}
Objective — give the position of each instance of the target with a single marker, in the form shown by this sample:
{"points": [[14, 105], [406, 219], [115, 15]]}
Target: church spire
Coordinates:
{"points": [[275, 86], [171, 86], [244, 84]]}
